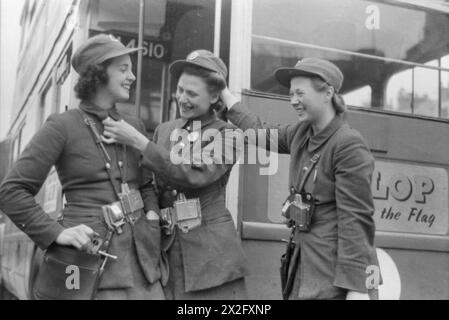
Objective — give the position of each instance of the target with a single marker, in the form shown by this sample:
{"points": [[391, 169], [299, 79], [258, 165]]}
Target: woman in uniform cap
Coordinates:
{"points": [[204, 253], [331, 164], [92, 176]]}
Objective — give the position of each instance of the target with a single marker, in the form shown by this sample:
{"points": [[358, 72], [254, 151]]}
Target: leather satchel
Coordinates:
{"points": [[66, 274]]}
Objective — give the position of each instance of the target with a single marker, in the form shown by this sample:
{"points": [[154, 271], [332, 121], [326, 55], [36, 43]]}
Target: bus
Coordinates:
{"points": [[395, 59]]}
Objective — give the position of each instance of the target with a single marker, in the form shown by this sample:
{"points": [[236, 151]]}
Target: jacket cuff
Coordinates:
{"points": [[156, 158], [49, 236], [351, 277], [236, 112]]}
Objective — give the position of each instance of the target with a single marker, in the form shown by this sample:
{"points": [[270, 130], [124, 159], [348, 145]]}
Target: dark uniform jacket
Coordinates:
{"points": [[336, 252], [212, 253], [66, 142]]}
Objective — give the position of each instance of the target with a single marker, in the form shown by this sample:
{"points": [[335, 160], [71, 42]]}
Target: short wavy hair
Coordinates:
{"points": [[91, 79], [214, 81], [215, 84]]}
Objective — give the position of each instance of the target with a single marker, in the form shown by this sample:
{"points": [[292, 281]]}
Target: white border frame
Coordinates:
{"points": [[239, 79]]}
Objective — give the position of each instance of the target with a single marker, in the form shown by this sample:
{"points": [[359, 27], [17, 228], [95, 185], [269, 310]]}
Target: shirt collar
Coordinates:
{"points": [[205, 119], [102, 114], [316, 141]]}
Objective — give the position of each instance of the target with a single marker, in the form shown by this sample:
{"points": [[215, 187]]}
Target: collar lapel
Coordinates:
{"points": [[100, 113], [205, 119], [319, 139]]}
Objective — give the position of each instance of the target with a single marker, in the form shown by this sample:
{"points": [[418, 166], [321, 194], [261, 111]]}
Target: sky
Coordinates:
{"points": [[10, 11]]}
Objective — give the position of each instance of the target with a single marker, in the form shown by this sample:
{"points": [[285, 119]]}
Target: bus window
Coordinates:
{"points": [[173, 28], [359, 97], [383, 49], [399, 92], [445, 88], [425, 93]]}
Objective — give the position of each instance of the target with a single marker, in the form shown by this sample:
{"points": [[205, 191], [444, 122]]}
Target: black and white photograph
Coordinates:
{"points": [[230, 152]]}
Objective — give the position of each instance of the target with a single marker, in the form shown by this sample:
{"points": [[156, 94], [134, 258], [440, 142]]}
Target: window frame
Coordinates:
{"points": [[17, 139]]}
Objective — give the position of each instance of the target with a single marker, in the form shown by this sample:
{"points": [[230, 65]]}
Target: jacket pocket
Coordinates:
{"points": [[147, 236], [212, 255]]}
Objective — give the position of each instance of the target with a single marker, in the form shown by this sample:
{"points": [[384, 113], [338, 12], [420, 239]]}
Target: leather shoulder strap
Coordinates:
{"points": [[102, 149], [312, 163]]}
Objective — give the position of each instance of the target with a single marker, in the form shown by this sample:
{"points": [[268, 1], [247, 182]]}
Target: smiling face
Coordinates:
{"points": [[309, 104], [194, 97], [121, 78]]}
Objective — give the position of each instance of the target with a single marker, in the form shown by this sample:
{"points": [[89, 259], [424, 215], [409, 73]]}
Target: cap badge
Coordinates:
{"points": [[193, 56]]}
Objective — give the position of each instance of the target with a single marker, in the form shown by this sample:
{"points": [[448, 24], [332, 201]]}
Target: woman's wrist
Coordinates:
{"points": [[228, 98], [140, 143]]}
